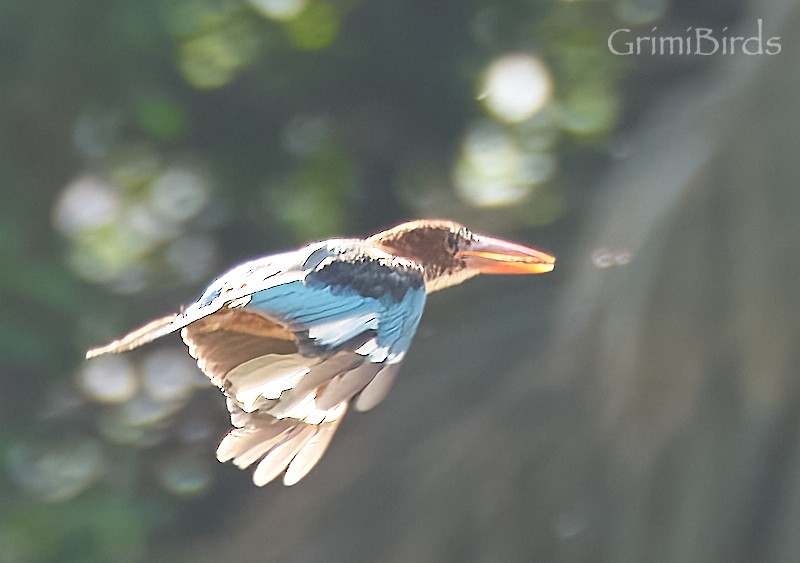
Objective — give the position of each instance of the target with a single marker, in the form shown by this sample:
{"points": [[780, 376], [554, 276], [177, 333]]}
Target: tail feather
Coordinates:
{"points": [[310, 454], [275, 445], [140, 336], [281, 455]]}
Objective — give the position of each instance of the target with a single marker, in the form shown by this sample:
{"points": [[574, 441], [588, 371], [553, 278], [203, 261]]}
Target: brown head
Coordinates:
{"points": [[450, 253]]}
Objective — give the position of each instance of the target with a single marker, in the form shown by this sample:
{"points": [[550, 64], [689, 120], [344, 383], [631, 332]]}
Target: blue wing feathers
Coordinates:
{"points": [[338, 298], [307, 308]]}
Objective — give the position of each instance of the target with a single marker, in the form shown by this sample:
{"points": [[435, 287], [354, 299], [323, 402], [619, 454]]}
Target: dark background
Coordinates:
{"points": [[640, 403]]}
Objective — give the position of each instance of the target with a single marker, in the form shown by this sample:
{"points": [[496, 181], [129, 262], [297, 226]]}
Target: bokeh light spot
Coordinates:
{"points": [[516, 87], [185, 476], [589, 111], [169, 375], [56, 472], [144, 410], [280, 10], [314, 28], [640, 12], [179, 194], [108, 379], [492, 171], [143, 228], [211, 60], [605, 257], [622, 257], [133, 166], [207, 62], [115, 430], [86, 203]]}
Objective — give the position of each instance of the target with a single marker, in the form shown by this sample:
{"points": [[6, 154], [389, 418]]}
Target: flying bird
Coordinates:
{"points": [[294, 339]]}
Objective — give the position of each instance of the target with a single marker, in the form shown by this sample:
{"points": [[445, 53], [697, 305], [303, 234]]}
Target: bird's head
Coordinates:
{"points": [[450, 253]]}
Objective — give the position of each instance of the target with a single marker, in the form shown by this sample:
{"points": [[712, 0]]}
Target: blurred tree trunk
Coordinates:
{"points": [[646, 412], [690, 353]]}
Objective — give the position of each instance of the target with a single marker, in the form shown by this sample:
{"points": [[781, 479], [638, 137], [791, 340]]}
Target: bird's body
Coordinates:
{"points": [[295, 338]]}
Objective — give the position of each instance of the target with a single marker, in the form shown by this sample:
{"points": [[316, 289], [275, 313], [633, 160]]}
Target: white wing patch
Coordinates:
{"points": [[307, 411], [344, 329], [266, 376], [373, 351]]}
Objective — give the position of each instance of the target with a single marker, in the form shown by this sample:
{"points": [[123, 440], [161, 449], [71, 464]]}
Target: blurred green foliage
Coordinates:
{"points": [[147, 145]]}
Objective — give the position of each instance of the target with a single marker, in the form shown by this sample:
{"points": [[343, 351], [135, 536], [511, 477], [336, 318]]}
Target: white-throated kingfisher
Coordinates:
{"points": [[294, 339]]}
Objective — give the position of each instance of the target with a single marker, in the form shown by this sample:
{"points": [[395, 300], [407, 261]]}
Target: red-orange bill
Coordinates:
{"points": [[494, 256]]}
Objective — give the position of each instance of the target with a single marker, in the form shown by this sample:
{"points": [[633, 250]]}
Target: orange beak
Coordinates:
{"points": [[494, 256]]}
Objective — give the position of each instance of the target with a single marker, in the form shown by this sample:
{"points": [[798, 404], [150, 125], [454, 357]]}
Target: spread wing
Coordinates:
{"points": [[235, 284], [294, 354], [293, 340]]}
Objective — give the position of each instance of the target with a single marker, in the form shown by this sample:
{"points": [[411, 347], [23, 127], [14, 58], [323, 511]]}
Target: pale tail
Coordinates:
{"points": [[275, 445], [140, 336]]}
